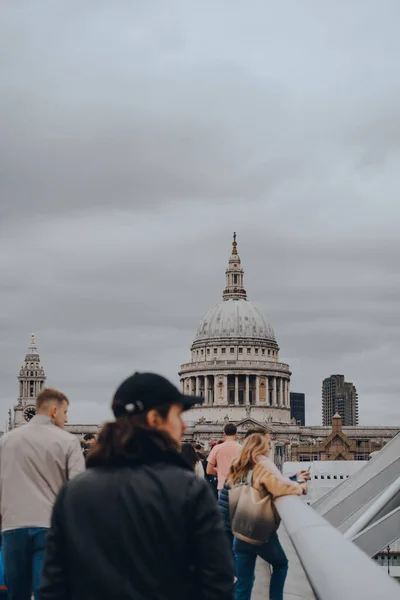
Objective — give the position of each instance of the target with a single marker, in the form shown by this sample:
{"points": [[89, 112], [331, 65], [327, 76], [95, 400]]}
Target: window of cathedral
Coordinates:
{"points": [[263, 350], [202, 351], [208, 350], [240, 350], [215, 350], [248, 350], [223, 350], [232, 350], [256, 350]]}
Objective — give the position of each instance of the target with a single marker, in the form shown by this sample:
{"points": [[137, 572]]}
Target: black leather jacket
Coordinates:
{"points": [[137, 532]]}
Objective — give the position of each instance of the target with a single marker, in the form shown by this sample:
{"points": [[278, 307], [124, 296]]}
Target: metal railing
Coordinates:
{"points": [[384, 504], [335, 567]]}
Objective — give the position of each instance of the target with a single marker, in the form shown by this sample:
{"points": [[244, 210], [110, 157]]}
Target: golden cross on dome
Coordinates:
{"points": [[234, 244], [32, 339]]}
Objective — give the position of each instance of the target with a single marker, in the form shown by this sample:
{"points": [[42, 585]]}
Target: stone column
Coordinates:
{"points": [[247, 392], [236, 390], [226, 389], [287, 393], [281, 392], [274, 402], [257, 389], [197, 386], [215, 389], [267, 401], [206, 389]]}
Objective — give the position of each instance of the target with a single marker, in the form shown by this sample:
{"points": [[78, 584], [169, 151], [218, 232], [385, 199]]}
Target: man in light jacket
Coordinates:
{"points": [[35, 462]]}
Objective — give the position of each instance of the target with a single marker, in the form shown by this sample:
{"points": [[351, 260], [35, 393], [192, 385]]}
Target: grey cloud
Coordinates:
{"points": [[135, 139]]}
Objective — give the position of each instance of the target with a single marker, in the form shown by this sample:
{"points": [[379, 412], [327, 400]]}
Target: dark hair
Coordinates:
{"points": [[89, 436], [230, 429], [129, 439], [47, 395], [260, 430], [189, 454]]}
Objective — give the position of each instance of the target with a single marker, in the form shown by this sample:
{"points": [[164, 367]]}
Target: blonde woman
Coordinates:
{"points": [[255, 457]]}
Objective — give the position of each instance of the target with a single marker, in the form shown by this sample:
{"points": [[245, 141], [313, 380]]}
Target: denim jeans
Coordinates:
{"points": [[23, 553], [245, 557]]}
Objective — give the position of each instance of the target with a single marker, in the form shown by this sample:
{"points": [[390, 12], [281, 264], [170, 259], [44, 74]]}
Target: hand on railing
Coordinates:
{"points": [[304, 487]]}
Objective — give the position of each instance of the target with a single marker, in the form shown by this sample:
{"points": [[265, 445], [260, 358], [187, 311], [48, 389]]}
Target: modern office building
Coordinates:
{"points": [[339, 397], [298, 408]]}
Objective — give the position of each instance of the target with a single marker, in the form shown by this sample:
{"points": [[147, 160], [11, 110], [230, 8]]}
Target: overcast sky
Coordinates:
{"points": [[136, 136]]}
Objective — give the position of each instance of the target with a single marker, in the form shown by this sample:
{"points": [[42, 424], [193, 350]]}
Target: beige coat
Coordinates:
{"points": [[35, 461], [267, 475]]}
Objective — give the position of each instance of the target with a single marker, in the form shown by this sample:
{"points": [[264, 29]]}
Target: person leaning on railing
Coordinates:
{"points": [[265, 476]]}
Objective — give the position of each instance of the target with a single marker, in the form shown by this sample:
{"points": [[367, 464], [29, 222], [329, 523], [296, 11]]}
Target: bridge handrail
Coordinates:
{"points": [[335, 567]]}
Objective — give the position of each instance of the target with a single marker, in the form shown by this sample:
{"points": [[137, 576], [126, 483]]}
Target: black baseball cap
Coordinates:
{"points": [[143, 391]]}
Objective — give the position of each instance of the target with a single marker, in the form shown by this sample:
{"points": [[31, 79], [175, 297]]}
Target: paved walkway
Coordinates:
{"points": [[297, 586]]}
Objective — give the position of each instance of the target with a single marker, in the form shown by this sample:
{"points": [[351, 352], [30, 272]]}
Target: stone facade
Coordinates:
{"points": [[31, 379], [235, 367], [235, 359]]}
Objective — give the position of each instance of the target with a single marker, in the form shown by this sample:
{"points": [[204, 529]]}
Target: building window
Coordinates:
{"points": [[269, 352], [202, 351], [256, 350], [263, 350], [235, 279], [208, 350], [248, 350], [215, 350], [223, 350], [232, 350], [240, 350]]}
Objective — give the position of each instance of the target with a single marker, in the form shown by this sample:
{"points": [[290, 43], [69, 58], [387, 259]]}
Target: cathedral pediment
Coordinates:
{"points": [[249, 423]]}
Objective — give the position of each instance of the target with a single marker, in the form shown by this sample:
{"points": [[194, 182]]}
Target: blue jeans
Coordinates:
{"points": [[245, 557], [23, 553]]}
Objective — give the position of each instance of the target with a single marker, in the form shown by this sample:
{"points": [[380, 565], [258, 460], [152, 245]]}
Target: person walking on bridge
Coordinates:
{"points": [[152, 525], [35, 461], [222, 455]]}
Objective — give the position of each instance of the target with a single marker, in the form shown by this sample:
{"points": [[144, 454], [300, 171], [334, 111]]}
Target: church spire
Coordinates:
{"points": [[31, 376], [234, 289]]}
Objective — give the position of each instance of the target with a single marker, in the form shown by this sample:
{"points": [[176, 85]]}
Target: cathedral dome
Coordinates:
{"points": [[235, 319]]}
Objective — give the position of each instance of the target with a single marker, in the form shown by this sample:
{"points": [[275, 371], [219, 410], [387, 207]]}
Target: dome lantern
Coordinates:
{"points": [[234, 289]]}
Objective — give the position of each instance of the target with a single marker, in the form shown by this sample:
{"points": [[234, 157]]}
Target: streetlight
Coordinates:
{"points": [[388, 554]]}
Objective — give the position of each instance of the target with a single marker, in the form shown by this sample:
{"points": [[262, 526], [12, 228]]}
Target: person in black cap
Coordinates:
{"points": [[152, 526]]}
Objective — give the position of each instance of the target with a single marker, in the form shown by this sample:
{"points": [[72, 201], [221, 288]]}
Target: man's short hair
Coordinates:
{"points": [[48, 395], [89, 436], [261, 430], [230, 429]]}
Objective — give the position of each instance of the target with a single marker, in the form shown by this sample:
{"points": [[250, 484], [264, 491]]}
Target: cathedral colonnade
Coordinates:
{"points": [[239, 389]]}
